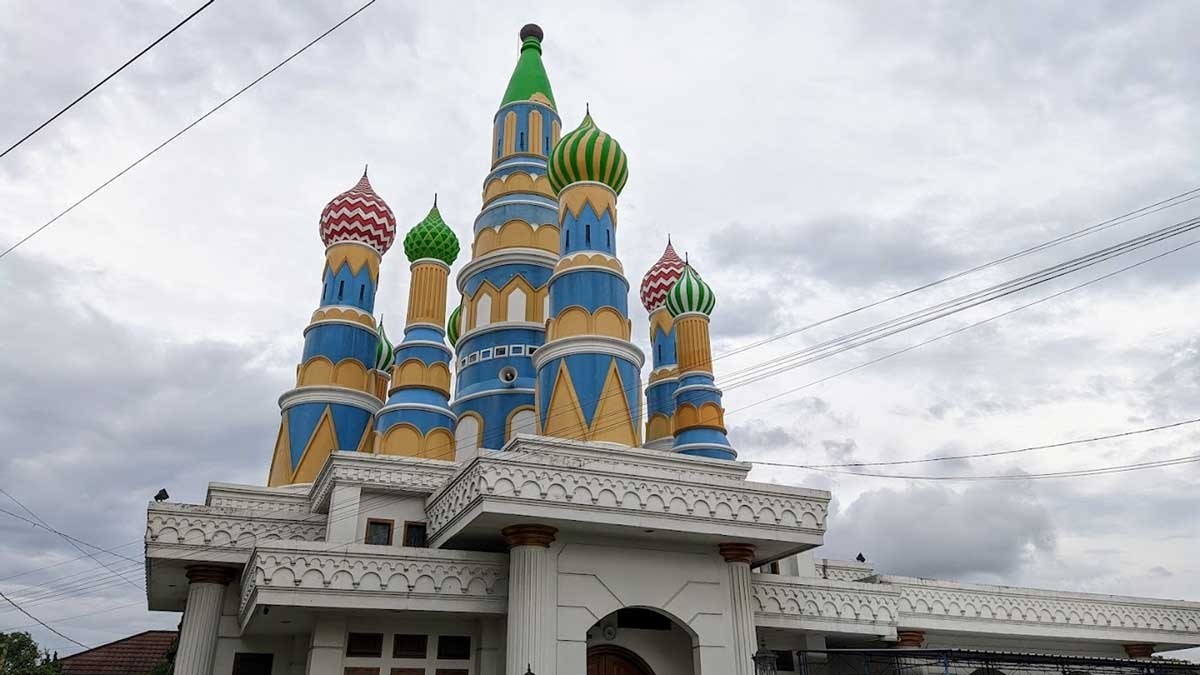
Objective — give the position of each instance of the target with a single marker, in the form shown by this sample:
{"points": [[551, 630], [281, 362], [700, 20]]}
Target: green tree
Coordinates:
{"points": [[20, 655]]}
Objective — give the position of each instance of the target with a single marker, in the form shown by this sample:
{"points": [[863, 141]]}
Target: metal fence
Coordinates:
{"points": [[974, 662]]}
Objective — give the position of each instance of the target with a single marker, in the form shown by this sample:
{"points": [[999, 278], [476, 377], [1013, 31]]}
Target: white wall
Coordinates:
{"points": [[691, 586], [667, 653], [288, 651], [390, 507]]}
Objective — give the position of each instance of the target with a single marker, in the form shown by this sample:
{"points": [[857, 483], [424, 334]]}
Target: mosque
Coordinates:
{"points": [[500, 493]]}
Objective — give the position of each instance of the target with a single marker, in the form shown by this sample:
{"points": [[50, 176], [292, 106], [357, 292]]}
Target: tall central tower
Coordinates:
{"points": [[500, 321]]}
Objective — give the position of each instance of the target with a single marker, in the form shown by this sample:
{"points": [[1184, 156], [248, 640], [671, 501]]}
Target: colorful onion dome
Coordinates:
{"points": [[588, 154], [359, 215], [431, 238], [452, 325], [690, 294], [385, 351], [529, 81], [660, 278]]}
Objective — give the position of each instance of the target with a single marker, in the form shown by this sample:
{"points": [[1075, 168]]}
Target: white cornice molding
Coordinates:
{"points": [[506, 256], [492, 392], [588, 268], [581, 344], [344, 322], [393, 407], [329, 394], [501, 325]]}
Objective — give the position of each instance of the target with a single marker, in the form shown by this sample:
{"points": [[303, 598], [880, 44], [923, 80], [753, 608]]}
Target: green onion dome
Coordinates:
{"points": [[452, 325], [385, 351], [690, 294], [588, 154], [431, 238]]}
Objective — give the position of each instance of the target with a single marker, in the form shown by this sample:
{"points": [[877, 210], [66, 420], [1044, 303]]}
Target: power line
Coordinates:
{"points": [[69, 618], [66, 537], [1073, 473], [106, 79], [182, 131], [977, 455], [42, 623]]}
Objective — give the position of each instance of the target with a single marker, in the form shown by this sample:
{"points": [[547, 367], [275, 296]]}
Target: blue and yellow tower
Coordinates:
{"points": [[588, 372], [338, 388], [699, 415], [664, 375], [417, 420], [499, 323]]}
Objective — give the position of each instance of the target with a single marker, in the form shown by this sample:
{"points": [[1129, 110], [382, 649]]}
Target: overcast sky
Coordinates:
{"points": [[810, 157]]}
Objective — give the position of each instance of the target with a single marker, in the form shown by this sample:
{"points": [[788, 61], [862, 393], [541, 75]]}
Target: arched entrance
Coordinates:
{"points": [[613, 660]]}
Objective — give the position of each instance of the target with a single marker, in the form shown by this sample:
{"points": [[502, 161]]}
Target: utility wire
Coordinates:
{"points": [[42, 623], [977, 455], [182, 131], [66, 537], [106, 79]]}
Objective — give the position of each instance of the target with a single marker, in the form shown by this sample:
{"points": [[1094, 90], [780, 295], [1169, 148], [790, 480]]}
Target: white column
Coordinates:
{"points": [[201, 619], [741, 606], [328, 644], [530, 642]]}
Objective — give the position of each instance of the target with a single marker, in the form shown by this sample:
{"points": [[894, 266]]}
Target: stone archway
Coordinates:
{"points": [[614, 660]]}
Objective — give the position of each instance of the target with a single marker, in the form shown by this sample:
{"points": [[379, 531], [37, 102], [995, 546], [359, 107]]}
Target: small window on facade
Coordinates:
{"points": [[473, 358], [454, 647], [408, 671], [341, 288], [485, 354], [522, 141], [568, 244], [450, 671], [360, 671], [773, 568], [660, 356], [368, 645], [501, 351], [252, 664], [414, 535], [530, 349], [587, 234], [379, 532], [608, 238], [410, 646], [518, 350], [362, 293]]}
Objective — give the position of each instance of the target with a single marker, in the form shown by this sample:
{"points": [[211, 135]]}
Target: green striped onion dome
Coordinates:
{"points": [[690, 294], [452, 325], [385, 352], [431, 238], [588, 154]]}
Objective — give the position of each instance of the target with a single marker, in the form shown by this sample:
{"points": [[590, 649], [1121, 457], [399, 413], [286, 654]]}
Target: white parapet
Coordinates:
{"points": [[617, 490], [825, 606], [364, 577], [1006, 611]]}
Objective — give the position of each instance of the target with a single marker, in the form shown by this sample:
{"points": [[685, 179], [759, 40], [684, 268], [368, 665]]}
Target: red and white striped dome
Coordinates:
{"points": [[662, 275], [360, 215]]}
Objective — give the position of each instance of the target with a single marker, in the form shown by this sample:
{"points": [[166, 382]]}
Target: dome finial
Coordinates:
{"points": [[365, 170], [532, 30], [435, 200]]}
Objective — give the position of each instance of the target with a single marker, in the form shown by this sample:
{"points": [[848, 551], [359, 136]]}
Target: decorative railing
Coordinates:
{"points": [[842, 606], [927, 603], [211, 527], [380, 472], [377, 576], [629, 480], [843, 570]]}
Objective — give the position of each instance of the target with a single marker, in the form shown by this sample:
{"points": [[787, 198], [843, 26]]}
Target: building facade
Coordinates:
{"points": [[500, 493]]}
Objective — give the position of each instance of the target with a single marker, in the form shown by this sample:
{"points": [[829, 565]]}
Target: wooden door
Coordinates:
{"points": [[612, 661]]}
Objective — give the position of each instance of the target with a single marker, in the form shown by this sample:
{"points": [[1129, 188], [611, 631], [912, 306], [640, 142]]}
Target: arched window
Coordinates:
{"points": [[516, 305], [466, 438], [522, 422], [483, 310]]}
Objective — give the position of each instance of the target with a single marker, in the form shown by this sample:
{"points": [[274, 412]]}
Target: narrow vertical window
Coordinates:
{"points": [[608, 238], [567, 245], [522, 141], [587, 235], [362, 292], [341, 288]]}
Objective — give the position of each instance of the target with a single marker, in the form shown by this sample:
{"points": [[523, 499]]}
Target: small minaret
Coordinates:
{"points": [[337, 388], [588, 372], [417, 420], [664, 376], [699, 416]]}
